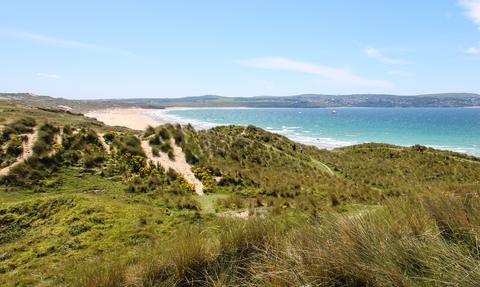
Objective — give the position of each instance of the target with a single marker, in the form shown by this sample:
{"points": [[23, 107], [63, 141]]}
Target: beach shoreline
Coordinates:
{"points": [[133, 118]]}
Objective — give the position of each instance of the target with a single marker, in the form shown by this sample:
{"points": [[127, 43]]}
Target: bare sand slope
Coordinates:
{"points": [[27, 151], [178, 164]]}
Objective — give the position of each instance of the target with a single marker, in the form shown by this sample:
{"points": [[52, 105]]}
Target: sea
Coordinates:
{"points": [[455, 129]]}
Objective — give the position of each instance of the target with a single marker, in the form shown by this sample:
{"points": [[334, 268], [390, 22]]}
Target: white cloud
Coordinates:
{"points": [[400, 73], [376, 54], [473, 10], [340, 75], [58, 42], [472, 50], [48, 75]]}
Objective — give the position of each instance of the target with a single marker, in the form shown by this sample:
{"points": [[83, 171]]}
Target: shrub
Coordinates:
{"points": [[88, 160], [186, 202], [149, 131], [129, 144], [164, 133], [46, 133], [190, 157], [178, 136], [26, 173], [155, 140], [232, 202], [71, 156], [23, 125], [166, 146], [15, 147], [171, 174], [91, 137], [48, 127], [41, 148], [67, 130], [136, 185], [6, 132], [109, 136]]}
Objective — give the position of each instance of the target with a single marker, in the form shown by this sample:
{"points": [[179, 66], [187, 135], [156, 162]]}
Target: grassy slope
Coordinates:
{"points": [[102, 224]]}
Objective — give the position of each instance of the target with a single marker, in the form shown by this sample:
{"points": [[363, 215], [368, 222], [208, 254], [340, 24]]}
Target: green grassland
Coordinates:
{"points": [[88, 209]]}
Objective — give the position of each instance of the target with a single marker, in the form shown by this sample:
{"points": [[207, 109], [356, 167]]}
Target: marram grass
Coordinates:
{"points": [[87, 209]]}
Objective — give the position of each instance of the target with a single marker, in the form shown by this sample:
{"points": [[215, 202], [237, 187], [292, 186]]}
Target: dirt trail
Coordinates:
{"points": [[178, 164], [105, 146], [27, 151]]}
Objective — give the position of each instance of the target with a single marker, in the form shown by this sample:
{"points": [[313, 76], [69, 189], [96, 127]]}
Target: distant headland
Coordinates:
{"points": [[442, 100]]}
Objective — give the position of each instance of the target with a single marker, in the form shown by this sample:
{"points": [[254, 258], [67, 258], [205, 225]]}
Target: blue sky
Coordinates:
{"points": [[168, 49]]}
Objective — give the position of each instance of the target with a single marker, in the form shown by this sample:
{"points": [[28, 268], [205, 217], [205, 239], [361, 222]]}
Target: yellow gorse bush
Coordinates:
{"points": [[109, 136], [205, 175], [185, 184]]}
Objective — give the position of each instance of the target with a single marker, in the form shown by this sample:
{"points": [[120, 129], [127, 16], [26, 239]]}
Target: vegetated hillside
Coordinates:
{"points": [[297, 101], [315, 101], [85, 206], [69, 106]]}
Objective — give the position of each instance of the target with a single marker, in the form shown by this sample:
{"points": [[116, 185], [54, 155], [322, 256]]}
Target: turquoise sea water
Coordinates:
{"points": [[456, 129]]}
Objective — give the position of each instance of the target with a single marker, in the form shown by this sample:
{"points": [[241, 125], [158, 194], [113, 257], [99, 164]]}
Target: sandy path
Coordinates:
{"points": [[105, 146], [27, 152], [179, 164]]}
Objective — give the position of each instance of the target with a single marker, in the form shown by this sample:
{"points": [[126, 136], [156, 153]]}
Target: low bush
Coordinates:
{"points": [[6, 132], [190, 157], [91, 137], [15, 147], [67, 130], [149, 130], [109, 136], [178, 136], [41, 148], [164, 133], [129, 144], [155, 140]]}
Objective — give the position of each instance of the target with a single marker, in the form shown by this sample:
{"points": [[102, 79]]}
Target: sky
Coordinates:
{"points": [[238, 48]]}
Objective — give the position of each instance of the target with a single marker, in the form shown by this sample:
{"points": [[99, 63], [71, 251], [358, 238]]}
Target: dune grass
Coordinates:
{"points": [[401, 243], [78, 213]]}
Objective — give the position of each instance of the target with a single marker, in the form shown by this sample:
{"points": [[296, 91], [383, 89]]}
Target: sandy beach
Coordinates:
{"points": [[131, 118]]}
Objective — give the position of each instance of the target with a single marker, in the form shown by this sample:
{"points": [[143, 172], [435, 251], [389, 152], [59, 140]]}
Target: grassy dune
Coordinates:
{"points": [[87, 208]]}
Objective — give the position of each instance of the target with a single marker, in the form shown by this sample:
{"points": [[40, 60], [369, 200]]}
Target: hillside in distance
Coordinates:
{"points": [[299, 101], [86, 204], [317, 101]]}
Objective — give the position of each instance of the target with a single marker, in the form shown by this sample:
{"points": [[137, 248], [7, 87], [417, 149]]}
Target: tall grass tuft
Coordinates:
{"points": [[97, 273]]}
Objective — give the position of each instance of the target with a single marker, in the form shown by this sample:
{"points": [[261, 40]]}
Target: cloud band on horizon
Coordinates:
{"points": [[343, 76]]}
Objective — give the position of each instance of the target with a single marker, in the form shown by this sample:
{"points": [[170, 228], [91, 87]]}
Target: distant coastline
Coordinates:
{"points": [[445, 100]]}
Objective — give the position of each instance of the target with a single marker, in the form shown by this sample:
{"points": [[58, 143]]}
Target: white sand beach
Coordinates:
{"points": [[131, 118]]}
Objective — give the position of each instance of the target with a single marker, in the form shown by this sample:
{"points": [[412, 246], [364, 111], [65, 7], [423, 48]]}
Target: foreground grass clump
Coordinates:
{"points": [[403, 243], [40, 236]]}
